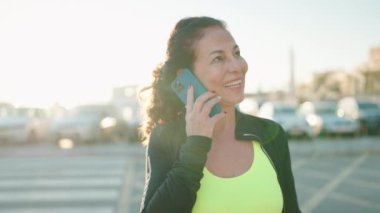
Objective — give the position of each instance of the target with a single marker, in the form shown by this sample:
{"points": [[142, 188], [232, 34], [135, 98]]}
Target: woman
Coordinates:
{"points": [[229, 162]]}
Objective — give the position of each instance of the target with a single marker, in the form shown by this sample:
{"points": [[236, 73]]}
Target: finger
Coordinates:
{"points": [[201, 100], [218, 117], [207, 107], [190, 98]]}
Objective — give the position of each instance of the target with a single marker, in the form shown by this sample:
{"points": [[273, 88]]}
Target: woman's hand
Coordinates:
{"points": [[198, 121]]}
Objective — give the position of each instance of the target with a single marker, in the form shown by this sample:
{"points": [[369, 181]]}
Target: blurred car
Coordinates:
{"points": [[133, 118], [23, 125], [90, 123], [285, 114], [324, 116], [367, 113]]}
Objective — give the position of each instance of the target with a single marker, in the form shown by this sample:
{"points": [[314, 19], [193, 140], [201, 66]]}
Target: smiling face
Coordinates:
{"points": [[219, 65]]}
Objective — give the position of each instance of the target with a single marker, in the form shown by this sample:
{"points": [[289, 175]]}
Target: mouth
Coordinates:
{"points": [[234, 84]]}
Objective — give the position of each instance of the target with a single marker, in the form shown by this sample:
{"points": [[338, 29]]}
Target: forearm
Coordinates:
{"points": [[177, 191]]}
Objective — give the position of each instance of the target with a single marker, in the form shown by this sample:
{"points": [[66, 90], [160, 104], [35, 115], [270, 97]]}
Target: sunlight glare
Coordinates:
{"points": [[66, 143]]}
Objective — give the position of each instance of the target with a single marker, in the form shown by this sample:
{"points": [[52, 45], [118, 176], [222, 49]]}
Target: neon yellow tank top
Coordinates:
{"points": [[257, 190]]}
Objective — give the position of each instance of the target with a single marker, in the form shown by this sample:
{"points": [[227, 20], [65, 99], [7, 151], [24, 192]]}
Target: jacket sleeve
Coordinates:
{"points": [[290, 196], [172, 187]]}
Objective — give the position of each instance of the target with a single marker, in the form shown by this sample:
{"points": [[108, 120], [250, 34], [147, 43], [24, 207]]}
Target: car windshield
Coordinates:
{"points": [[325, 110], [285, 110], [6, 112], [20, 112], [85, 111], [368, 106], [24, 112]]}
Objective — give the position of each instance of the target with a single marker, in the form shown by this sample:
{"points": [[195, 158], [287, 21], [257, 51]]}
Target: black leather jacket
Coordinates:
{"points": [[175, 163]]}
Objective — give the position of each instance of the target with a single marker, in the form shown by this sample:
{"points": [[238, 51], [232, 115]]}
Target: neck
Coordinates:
{"points": [[225, 128]]}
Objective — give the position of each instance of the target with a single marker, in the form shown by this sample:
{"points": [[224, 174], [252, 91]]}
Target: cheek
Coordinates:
{"points": [[213, 79]]}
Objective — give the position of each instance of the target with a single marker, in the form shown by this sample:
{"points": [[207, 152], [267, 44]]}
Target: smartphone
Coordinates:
{"points": [[186, 78]]}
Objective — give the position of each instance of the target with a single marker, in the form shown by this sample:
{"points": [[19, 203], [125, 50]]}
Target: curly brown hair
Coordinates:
{"points": [[163, 105]]}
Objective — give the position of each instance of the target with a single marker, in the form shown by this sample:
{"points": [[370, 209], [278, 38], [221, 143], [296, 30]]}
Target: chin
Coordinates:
{"points": [[240, 99], [233, 101]]}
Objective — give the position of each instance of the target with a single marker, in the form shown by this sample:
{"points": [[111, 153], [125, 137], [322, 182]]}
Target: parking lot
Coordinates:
{"points": [[331, 174], [338, 175]]}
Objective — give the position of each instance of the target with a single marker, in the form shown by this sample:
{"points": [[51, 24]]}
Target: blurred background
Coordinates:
{"points": [[70, 72]]}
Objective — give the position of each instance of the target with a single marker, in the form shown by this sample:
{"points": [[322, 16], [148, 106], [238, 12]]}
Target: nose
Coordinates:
{"points": [[235, 65]]}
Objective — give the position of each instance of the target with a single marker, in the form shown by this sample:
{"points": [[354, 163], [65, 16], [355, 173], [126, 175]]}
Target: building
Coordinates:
{"points": [[370, 71], [125, 98]]}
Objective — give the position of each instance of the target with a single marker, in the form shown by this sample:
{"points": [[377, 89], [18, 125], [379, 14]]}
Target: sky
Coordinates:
{"points": [[76, 51]]}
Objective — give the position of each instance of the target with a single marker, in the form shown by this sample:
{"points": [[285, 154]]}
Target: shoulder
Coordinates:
{"points": [[267, 123], [169, 130], [167, 136], [267, 130]]}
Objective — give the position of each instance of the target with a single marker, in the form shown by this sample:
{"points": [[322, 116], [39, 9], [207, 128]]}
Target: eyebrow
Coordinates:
{"points": [[221, 51]]}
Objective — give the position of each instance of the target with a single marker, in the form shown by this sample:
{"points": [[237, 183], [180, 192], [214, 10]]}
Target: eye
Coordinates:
{"points": [[217, 59], [237, 53]]}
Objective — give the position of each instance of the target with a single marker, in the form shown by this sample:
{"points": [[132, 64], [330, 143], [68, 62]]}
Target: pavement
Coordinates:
{"points": [[331, 174], [335, 146], [298, 147], [46, 149]]}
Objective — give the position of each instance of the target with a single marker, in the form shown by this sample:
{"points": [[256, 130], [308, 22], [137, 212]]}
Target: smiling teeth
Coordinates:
{"points": [[234, 83]]}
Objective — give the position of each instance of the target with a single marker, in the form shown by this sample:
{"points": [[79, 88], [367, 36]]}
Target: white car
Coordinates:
{"points": [[285, 114], [89, 123], [23, 125], [326, 118], [366, 112]]}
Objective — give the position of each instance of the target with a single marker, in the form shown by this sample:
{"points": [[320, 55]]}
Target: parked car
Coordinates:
{"points": [[133, 119], [285, 114], [367, 113], [23, 125], [324, 115], [90, 123]]}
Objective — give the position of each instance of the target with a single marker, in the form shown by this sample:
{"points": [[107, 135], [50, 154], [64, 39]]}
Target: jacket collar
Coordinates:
{"points": [[254, 128], [249, 127]]}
